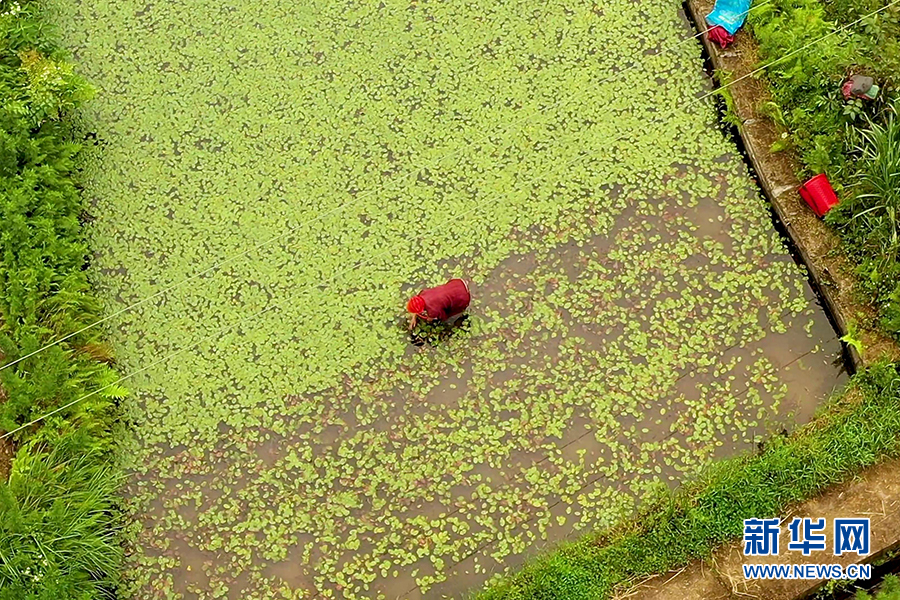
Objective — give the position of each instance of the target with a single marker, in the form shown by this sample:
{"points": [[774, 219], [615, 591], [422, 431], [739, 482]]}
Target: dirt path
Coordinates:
{"points": [[7, 453], [874, 494], [7, 447]]}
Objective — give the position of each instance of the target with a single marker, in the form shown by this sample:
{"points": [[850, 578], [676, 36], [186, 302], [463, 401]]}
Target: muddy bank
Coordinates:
{"points": [[818, 246]]}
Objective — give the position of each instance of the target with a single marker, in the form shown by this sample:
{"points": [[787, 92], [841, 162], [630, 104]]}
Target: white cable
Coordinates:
{"points": [[337, 209], [440, 225], [224, 330]]}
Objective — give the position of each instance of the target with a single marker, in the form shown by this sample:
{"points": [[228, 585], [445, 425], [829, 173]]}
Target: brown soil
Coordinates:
{"points": [[818, 244], [7, 447], [7, 453]]}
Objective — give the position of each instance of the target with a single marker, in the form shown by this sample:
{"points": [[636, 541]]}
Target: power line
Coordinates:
{"points": [[230, 328], [357, 200], [441, 225]]}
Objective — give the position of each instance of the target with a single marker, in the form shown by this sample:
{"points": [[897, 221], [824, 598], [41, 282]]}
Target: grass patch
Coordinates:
{"points": [[870, 218], [889, 590], [57, 526], [855, 432]]}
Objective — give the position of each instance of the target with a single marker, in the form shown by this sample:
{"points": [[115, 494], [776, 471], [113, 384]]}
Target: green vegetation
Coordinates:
{"points": [[854, 142], [889, 590], [57, 533], [313, 452], [870, 218], [806, 83], [886, 589], [854, 432], [57, 523]]}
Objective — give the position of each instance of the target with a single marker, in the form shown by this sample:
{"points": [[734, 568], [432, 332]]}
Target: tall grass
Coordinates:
{"points": [[870, 220], [55, 538], [853, 433], [880, 183]]}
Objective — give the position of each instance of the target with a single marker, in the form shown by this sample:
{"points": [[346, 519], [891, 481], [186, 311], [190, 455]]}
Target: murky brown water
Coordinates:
{"points": [[606, 453]]}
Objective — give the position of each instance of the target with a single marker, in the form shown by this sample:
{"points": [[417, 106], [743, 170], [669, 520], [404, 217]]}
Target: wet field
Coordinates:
{"points": [[564, 399], [635, 314]]}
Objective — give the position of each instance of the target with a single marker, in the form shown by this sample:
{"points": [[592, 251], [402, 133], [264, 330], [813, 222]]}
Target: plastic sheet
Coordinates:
{"points": [[729, 14]]}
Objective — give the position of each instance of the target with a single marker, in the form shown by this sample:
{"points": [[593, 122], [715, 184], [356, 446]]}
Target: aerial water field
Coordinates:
{"points": [[635, 314]]}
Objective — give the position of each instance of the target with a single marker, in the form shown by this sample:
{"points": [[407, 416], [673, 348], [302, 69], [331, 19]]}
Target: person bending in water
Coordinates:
{"points": [[440, 303]]}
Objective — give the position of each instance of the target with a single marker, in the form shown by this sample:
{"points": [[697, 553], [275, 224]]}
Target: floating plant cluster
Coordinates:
{"points": [[634, 312]]}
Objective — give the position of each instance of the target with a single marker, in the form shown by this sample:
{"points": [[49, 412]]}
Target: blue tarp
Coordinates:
{"points": [[729, 14]]}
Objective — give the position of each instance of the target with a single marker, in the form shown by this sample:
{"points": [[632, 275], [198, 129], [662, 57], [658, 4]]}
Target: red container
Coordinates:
{"points": [[819, 194]]}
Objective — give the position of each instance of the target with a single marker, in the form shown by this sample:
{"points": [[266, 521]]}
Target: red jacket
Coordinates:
{"points": [[446, 301]]}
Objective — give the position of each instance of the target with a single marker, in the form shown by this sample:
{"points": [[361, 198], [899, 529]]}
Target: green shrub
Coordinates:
{"points": [[44, 292], [890, 590], [55, 538], [58, 527], [869, 220], [877, 39], [38, 83], [807, 84], [806, 81]]}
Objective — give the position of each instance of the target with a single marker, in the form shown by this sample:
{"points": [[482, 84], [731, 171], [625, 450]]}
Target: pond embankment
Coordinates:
{"points": [[875, 494], [818, 246]]}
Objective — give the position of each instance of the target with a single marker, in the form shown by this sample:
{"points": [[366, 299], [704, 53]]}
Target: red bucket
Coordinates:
{"points": [[819, 194]]}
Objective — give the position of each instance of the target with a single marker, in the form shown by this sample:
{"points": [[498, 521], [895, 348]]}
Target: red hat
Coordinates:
{"points": [[415, 305]]}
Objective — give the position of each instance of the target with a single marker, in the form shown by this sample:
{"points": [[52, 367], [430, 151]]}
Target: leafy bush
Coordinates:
{"points": [[850, 435], [806, 83], [876, 39], [58, 535], [890, 590], [38, 83], [817, 46], [45, 293], [870, 220]]}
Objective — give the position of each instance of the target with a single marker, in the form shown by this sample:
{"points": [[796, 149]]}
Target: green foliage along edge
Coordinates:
{"points": [[58, 516], [889, 590], [857, 430], [848, 140]]}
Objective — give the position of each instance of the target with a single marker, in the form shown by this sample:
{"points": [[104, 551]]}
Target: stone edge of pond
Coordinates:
{"points": [[819, 248]]}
